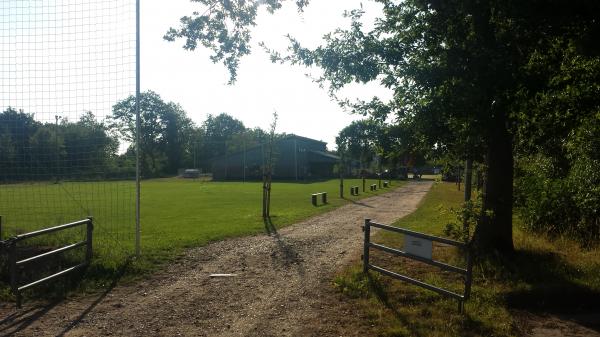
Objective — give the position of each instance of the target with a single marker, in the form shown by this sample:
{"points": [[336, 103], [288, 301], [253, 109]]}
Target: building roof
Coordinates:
{"points": [[325, 154], [303, 138], [290, 136]]}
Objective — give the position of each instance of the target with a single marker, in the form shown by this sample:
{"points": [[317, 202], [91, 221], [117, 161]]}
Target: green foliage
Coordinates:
{"points": [[223, 26], [559, 149], [217, 130], [31, 150], [164, 129], [560, 205], [358, 140], [354, 284], [467, 218]]}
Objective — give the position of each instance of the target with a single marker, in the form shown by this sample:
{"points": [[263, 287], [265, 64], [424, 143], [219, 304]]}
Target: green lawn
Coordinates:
{"points": [[183, 213], [176, 213], [543, 277]]}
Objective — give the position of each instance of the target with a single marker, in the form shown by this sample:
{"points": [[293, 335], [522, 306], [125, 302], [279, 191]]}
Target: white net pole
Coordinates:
{"points": [[137, 131]]}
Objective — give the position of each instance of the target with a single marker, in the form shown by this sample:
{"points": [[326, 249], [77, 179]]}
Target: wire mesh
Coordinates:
{"points": [[63, 65]]}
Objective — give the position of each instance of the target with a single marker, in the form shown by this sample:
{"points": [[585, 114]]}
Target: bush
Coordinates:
{"points": [[559, 205]]}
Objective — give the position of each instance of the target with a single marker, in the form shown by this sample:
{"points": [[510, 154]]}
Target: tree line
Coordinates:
{"points": [[89, 148]]}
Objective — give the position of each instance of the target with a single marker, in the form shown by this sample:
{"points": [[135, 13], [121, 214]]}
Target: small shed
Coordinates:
{"points": [[191, 173]]}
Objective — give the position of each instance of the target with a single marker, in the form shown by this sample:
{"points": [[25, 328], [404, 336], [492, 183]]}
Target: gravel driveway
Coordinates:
{"points": [[282, 287]]}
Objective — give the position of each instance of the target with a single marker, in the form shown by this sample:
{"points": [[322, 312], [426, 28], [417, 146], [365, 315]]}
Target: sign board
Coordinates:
{"points": [[417, 246]]}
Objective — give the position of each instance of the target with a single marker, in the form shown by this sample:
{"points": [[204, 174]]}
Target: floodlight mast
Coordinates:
{"points": [[137, 129]]}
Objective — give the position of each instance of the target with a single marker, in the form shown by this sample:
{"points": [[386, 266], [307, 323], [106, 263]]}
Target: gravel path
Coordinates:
{"points": [[282, 285]]}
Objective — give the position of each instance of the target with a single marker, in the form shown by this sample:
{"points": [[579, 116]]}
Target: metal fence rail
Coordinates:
{"points": [[465, 272], [16, 265]]}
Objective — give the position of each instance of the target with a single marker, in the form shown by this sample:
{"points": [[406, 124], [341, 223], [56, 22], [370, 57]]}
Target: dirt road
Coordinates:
{"points": [[282, 285]]}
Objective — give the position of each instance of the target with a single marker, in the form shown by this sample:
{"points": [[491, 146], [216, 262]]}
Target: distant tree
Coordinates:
{"points": [[248, 139], [16, 130], [89, 149], [358, 142], [164, 130], [219, 131]]}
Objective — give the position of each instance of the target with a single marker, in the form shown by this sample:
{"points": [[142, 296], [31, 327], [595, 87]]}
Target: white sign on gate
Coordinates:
{"points": [[417, 246]]}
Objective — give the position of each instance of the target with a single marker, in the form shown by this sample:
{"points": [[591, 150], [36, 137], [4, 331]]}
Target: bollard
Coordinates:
{"points": [[324, 197], [314, 199]]}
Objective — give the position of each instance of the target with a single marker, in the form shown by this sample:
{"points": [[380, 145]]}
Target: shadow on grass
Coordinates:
{"points": [[269, 226], [21, 319], [550, 287], [412, 309]]}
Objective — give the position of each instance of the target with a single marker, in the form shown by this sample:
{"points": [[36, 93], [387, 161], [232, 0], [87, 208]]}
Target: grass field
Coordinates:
{"points": [[176, 213], [543, 277]]}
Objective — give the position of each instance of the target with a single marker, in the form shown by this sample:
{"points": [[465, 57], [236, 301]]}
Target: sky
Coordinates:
{"points": [[65, 57], [200, 87]]}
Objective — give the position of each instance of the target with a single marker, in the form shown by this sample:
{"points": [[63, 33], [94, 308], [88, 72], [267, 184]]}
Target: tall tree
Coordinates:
{"points": [[219, 131], [89, 149], [358, 142], [16, 131], [164, 127]]}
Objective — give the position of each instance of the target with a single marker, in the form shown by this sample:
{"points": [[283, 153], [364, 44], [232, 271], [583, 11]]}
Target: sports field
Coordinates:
{"points": [[176, 213]]}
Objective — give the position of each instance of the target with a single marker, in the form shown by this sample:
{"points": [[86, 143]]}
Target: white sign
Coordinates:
{"points": [[417, 246]]}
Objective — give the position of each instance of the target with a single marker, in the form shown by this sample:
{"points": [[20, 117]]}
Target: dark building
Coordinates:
{"points": [[295, 158]]}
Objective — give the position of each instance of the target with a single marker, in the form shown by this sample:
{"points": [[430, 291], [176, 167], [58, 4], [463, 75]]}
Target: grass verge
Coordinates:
{"points": [[544, 277]]}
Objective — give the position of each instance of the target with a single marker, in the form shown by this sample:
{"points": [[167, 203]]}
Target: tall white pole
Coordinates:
{"points": [[137, 129]]}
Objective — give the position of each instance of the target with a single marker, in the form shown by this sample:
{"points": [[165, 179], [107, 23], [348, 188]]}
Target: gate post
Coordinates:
{"points": [[89, 240], [367, 230], [14, 271]]}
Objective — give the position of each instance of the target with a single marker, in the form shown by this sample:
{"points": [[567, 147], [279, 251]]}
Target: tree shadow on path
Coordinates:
{"points": [[286, 253]]}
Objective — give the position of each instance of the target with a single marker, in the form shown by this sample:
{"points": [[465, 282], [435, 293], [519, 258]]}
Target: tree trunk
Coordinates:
{"points": [[494, 232], [468, 185], [269, 180], [341, 185], [264, 198], [341, 176], [468, 179]]}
